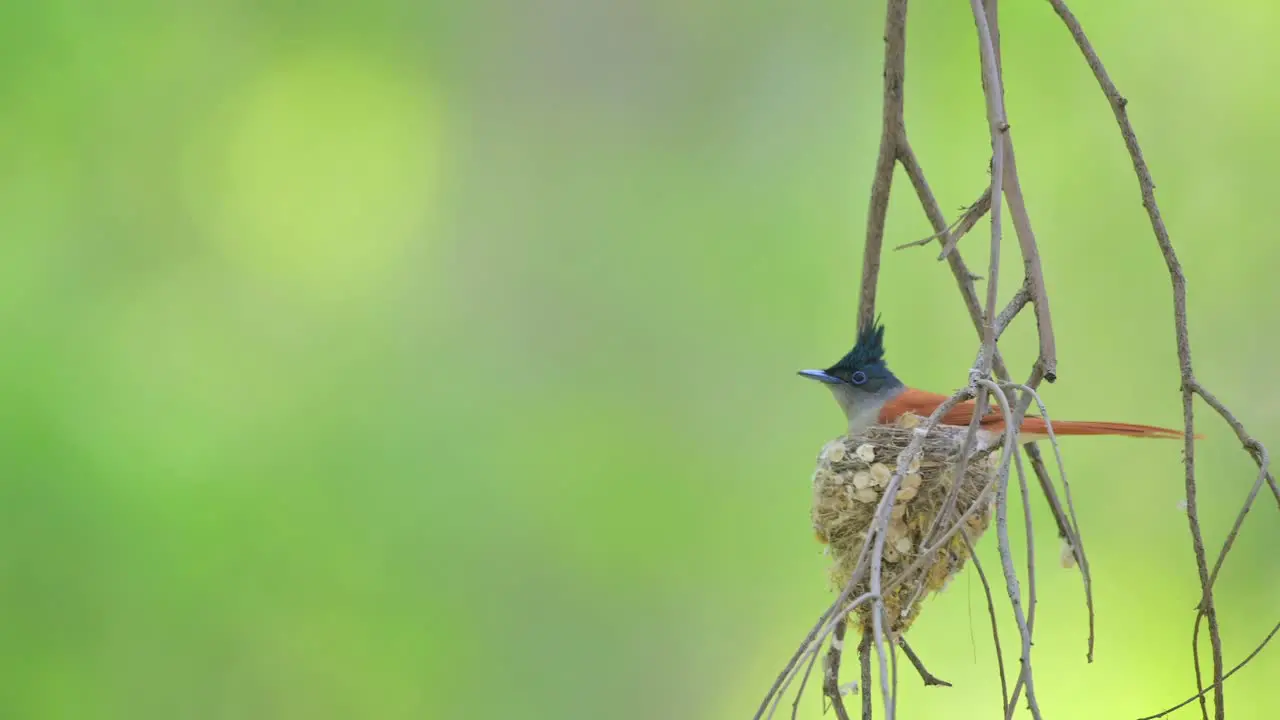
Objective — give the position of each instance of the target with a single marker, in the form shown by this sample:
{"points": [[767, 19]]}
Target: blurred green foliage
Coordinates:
{"points": [[418, 360]]}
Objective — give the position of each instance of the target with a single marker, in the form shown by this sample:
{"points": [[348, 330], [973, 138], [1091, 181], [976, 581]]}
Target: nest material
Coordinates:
{"points": [[852, 473]]}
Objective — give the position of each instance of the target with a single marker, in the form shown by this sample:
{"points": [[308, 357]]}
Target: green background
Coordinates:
{"points": [[437, 360]]}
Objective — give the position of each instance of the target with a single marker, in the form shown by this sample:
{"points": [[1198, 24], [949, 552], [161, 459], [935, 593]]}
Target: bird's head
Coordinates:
{"points": [[860, 381]]}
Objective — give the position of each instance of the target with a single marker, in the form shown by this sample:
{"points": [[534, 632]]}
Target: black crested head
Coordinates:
{"points": [[864, 365], [868, 350]]}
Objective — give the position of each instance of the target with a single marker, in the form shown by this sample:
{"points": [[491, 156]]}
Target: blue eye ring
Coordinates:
{"points": [[858, 377]]}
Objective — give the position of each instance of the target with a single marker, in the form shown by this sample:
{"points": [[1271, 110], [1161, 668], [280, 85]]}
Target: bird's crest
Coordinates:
{"points": [[869, 349]]}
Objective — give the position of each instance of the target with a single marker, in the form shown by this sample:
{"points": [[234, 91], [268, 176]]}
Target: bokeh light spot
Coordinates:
{"points": [[325, 170]]}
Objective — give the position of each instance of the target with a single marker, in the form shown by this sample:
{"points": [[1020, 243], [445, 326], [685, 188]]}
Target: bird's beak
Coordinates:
{"points": [[821, 376]]}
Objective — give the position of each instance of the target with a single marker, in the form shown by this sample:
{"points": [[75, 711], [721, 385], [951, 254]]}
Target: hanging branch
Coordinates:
{"points": [[1004, 191], [891, 129], [895, 148], [1190, 385]]}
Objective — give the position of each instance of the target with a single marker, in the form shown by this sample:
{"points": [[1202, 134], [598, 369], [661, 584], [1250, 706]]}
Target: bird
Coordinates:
{"points": [[870, 394]]}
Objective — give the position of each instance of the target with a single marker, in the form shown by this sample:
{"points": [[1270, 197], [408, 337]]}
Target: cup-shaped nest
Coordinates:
{"points": [[852, 474]]}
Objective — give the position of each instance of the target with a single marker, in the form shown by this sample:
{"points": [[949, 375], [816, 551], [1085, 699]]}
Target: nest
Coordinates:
{"points": [[852, 474]]}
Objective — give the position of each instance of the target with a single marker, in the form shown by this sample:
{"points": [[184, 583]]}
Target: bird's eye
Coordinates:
{"points": [[858, 377]]}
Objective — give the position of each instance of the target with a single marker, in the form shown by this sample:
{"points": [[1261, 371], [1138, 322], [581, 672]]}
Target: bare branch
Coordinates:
{"points": [[993, 87], [1190, 386], [929, 678], [1231, 672], [864, 661], [970, 218], [995, 624], [1006, 557], [1073, 538], [831, 683], [895, 54], [1004, 188], [1031, 574], [951, 234]]}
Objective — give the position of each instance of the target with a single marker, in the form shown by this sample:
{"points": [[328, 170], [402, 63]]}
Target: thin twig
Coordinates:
{"points": [[971, 218], [864, 661], [959, 270], [1179, 285], [895, 54], [1067, 527], [986, 356], [815, 648], [893, 663], [831, 685], [778, 689], [969, 294], [831, 670], [1229, 673], [1016, 303], [1031, 575], [1074, 539], [1006, 557], [1048, 359], [951, 234], [995, 625], [929, 678]]}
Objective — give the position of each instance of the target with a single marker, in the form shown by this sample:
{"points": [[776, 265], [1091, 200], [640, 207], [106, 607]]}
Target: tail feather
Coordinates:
{"points": [[1036, 426]]}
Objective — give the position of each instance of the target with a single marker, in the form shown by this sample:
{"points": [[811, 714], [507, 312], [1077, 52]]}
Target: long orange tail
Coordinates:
{"points": [[1035, 426], [923, 403]]}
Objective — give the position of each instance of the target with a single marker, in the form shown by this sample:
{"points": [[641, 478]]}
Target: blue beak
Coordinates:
{"points": [[821, 376]]}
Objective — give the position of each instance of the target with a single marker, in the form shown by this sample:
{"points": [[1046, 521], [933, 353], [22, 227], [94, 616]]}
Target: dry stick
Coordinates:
{"points": [[812, 647], [1229, 673], [929, 678], [1179, 283], [831, 683], [1016, 303], [778, 688], [995, 624], [1077, 544], [986, 355], [971, 218], [1005, 317], [993, 87], [895, 54], [964, 282], [961, 272], [795, 705], [985, 18], [946, 233], [1252, 446], [893, 663], [832, 669], [1006, 557], [1031, 573], [809, 646], [951, 234], [864, 659], [1263, 458], [1067, 526]]}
